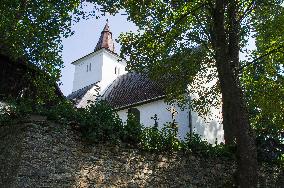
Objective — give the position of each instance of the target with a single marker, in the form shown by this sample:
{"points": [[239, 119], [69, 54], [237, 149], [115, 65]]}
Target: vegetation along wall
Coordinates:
{"points": [[45, 154]]}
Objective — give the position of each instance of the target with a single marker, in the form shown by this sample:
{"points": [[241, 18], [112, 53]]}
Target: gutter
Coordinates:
{"points": [[140, 102]]}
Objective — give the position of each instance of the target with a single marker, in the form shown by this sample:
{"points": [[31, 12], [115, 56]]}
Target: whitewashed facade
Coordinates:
{"points": [[103, 69], [208, 128]]}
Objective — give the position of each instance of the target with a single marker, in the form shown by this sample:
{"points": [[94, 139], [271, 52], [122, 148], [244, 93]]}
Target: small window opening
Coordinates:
{"points": [[135, 113], [87, 68], [90, 67], [115, 70]]}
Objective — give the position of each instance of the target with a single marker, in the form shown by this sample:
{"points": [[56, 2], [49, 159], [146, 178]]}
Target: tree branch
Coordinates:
{"points": [[261, 57], [247, 11], [196, 38], [177, 22]]}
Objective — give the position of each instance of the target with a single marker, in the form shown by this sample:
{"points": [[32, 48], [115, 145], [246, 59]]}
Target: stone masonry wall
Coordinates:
{"points": [[44, 154]]}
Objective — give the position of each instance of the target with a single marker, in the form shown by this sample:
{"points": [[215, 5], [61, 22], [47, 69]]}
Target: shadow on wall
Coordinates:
{"points": [[207, 128], [51, 155], [121, 167], [17, 80]]}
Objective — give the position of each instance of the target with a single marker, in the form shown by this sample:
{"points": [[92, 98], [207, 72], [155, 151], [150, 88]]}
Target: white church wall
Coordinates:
{"points": [[89, 97], [111, 69], [84, 77], [209, 128], [122, 115], [3, 106], [159, 107]]}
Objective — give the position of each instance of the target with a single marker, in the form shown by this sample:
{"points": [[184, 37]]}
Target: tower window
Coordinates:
{"points": [[90, 67], [87, 68], [115, 70]]}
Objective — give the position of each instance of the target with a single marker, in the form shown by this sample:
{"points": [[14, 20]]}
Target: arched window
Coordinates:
{"points": [[135, 112]]}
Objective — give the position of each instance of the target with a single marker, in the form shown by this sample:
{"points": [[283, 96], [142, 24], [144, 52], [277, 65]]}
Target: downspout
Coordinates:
{"points": [[190, 121], [190, 124]]}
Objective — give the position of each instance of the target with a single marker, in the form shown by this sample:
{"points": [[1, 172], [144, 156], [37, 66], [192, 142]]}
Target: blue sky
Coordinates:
{"points": [[87, 33], [83, 42]]}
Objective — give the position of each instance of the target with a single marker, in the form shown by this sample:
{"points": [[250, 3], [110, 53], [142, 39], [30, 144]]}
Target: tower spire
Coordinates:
{"points": [[105, 40]]}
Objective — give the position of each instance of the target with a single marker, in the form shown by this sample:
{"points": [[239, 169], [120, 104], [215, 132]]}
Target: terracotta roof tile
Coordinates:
{"points": [[105, 40], [133, 88]]}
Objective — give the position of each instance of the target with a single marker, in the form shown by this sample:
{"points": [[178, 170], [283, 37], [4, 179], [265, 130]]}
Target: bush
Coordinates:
{"points": [[171, 142], [101, 123], [196, 145], [166, 139], [13, 111], [132, 131], [270, 147], [63, 112], [151, 139]]}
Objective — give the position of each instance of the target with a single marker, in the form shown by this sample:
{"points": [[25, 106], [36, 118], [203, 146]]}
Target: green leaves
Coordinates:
{"points": [[263, 77], [32, 29]]}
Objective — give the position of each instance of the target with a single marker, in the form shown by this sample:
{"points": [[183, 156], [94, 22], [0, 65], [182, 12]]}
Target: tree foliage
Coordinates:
{"points": [[33, 30], [217, 31], [263, 73]]}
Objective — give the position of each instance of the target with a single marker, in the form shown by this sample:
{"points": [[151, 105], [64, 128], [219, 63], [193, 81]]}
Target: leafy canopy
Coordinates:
{"points": [[177, 38], [33, 30]]}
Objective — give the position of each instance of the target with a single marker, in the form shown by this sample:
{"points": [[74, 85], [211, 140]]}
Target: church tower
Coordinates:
{"points": [[100, 67]]}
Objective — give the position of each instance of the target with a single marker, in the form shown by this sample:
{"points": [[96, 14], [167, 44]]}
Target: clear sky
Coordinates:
{"points": [[83, 42]]}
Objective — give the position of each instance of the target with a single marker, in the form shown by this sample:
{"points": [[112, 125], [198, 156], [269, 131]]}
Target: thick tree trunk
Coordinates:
{"points": [[235, 114]]}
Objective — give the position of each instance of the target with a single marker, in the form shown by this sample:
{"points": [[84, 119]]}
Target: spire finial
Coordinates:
{"points": [[105, 40]]}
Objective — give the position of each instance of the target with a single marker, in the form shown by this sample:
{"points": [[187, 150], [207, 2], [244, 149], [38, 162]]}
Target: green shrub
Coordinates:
{"points": [[270, 146], [63, 112], [101, 123], [132, 131], [196, 145], [151, 139], [14, 111], [171, 142], [166, 139]]}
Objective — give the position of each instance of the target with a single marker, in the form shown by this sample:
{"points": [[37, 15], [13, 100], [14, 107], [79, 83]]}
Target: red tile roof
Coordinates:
{"points": [[105, 40], [127, 90], [132, 89]]}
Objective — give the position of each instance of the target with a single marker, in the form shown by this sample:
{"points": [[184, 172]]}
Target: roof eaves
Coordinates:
{"points": [[85, 56], [140, 102]]}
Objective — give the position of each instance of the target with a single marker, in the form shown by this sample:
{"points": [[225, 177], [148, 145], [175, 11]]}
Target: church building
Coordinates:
{"points": [[102, 73]]}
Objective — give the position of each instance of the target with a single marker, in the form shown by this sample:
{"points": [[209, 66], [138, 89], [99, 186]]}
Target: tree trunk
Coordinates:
{"points": [[226, 46]]}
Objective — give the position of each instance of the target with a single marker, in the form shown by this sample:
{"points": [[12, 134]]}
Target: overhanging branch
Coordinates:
{"points": [[262, 56]]}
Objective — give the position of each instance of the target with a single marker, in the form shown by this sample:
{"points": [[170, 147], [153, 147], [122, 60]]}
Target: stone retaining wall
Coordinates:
{"points": [[44, 154]]}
